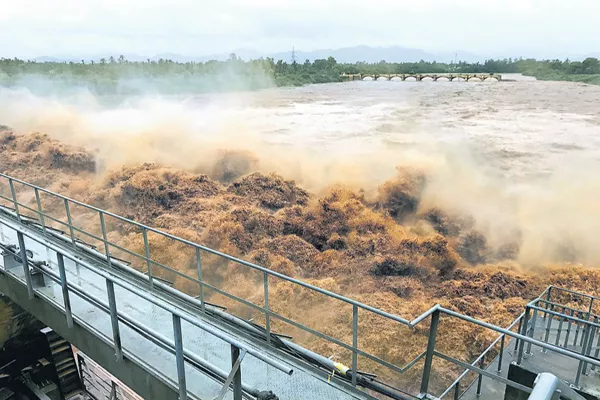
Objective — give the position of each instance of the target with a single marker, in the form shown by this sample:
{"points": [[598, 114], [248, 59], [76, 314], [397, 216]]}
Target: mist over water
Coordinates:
{"points": [[520, 157]]}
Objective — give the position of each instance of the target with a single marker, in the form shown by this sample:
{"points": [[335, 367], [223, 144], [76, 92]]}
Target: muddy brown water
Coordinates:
{"points": [[522, 157]]}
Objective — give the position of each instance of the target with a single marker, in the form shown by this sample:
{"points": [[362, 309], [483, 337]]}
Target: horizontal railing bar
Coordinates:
{"points": [[524, 338], [218, 253], [424, 315], [342, 344], [583, 321], [545, 290], [233, 297], [589, 296], [482, 372], [152, 300], [11, 201], [311, 331], [79, 241], [563, 306], [21, 205]]}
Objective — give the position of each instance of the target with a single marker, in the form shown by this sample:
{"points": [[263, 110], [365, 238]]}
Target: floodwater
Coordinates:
{"points": [[524, 128], [521, 157]]}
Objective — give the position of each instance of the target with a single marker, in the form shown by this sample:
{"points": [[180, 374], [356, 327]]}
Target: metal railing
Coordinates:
{"points": [[175, 346], [585, 324], [455, 387], [41, 217]]}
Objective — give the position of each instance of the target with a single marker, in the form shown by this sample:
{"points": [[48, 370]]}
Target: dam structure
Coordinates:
{"points": [[63, 262]]}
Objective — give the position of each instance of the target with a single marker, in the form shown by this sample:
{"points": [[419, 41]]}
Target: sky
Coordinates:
{"points": [[81, 28]]}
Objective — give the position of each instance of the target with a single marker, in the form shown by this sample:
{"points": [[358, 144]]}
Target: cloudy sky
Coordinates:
{"points": [[540, 28]]}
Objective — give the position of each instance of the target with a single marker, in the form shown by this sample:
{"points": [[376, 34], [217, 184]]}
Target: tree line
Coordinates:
{"points": [[117, 75]]}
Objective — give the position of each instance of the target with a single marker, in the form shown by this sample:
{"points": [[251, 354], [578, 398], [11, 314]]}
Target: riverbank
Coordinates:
{"points": [[591, 79]]}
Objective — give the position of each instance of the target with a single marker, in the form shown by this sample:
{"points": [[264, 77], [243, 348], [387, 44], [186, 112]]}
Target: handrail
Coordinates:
{"points": [[152, 335], [172, 310], [116, 316], [433, 312], [218, 253], [524, 338]]}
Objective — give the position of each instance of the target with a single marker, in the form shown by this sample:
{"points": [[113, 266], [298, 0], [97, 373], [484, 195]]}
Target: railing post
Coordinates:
{"points": [[147, 255], [566, 343], [585, 327], [480, 378], [524, 333], [596, 353], [237, 377], [548, 325], [501, 353], [354, 343], [519, 330], [435, 319], [14, 197], [266, 308], [588, 349], [65, 289], [583, 351], [548, 297], [200, 281], [576, 330], [25, 263], [561, 320], [179, 357], [106, 247], [40, 210], [114, 319], [457, 391], [70, 221], [113, 391], [533, 323]]}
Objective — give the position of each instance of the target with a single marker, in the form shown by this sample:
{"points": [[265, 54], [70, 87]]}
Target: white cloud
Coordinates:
{"points": [[556, 28]]}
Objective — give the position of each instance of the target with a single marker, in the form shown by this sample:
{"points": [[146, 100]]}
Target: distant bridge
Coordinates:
{"points": [[420, 77]]}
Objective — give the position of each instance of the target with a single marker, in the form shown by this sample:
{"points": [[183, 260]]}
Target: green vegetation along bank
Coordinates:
{"points": [[122, 77]]}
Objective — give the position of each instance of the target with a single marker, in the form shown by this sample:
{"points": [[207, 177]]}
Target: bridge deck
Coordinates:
{"points": [[304, 383]]}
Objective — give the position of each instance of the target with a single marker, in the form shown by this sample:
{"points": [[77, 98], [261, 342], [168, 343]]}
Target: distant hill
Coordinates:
{"points": [[376, 54], [353, 54], [350, 55]]}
